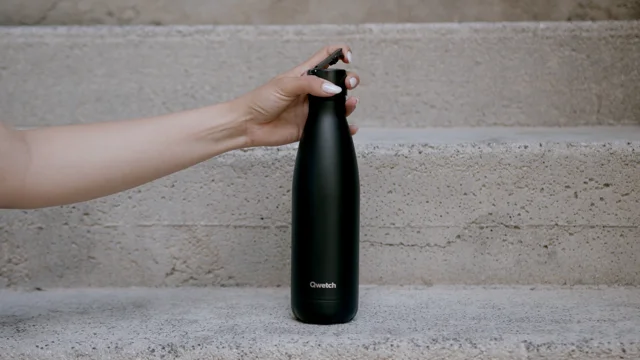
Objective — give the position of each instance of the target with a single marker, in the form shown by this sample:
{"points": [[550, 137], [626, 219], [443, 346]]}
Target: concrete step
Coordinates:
{"points": [[413, 75], [204, 12], [393, 322], [463, 205]]}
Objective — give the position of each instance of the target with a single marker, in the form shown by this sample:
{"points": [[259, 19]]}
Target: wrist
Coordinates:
{"points": [[227, 126]]}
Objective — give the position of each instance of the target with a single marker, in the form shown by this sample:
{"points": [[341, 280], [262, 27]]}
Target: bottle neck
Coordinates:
{"points": [[335, 104]]}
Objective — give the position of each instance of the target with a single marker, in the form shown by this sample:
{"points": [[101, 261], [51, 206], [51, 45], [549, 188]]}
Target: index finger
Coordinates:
{"points": [[321, 55]]}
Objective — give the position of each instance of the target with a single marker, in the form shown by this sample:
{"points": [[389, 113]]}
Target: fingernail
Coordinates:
{"points": [[349, 56], [331, 88], [353, 82], [357, 101]]}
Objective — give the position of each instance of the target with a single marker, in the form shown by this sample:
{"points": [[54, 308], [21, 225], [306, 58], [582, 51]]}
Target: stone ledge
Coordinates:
{"points": [[193, 12], [410, 323], [413, 75], [439, 206]]}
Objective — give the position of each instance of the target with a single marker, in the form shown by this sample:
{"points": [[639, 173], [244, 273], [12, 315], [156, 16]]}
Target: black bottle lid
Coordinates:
{"points": [[335, 76]]}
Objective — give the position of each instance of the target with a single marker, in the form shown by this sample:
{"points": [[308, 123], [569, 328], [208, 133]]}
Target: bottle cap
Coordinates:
{"points": [[331, 60], [335, 76]]}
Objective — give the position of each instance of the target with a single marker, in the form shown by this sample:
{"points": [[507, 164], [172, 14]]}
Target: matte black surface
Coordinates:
{"points": [[330, 60], [326, 213]]}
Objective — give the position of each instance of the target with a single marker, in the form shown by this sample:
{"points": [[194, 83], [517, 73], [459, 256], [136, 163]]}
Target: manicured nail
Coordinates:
{"points": [[349, 56], [353, 82], [331, 88]]}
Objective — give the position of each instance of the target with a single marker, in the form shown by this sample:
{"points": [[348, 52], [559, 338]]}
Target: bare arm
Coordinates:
{"points": [[67, 164], [14, 161]]}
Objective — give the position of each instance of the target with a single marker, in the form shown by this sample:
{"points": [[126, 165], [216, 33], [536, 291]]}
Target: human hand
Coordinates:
{"points": [[276, 112]]}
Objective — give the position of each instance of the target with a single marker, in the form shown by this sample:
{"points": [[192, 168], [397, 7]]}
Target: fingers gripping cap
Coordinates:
{"points": [[335, 76]]}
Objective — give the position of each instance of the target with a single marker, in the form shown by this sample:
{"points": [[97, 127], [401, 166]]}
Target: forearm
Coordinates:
{"points": [[76, 163], [14, 162]]}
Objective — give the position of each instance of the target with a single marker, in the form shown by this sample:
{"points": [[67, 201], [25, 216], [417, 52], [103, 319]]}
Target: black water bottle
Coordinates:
{"points": [[326, 210]]}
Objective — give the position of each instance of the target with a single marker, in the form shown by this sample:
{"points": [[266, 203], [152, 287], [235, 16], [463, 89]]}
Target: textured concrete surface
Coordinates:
{"points": [[192, 12], [404, 323], [473, 206], [412, 75]]}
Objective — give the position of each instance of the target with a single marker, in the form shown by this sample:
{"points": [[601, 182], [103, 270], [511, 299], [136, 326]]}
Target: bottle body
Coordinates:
{"points": [[325, 217]]}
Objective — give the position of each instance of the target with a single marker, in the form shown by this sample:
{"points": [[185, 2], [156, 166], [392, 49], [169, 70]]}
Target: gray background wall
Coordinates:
{"points": [[191, 12]]}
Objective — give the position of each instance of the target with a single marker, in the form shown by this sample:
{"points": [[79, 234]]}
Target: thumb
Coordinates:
{"points": [[307, 84]]}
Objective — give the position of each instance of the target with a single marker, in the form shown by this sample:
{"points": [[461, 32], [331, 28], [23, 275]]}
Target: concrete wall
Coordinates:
{"points": [[557, 206], [50, 12], [415, 75], [493, 206]]}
